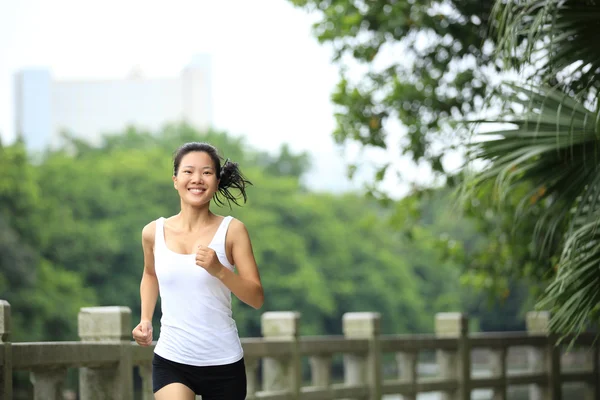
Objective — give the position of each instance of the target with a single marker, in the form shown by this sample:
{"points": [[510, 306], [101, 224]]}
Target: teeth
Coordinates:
{"points": [[196, 190]]}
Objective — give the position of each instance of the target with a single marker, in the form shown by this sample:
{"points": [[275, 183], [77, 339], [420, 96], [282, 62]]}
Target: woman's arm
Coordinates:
{"points": [[246, 284], [149, 284], [142, 333]]}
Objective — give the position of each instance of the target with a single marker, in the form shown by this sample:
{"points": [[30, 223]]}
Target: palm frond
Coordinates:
{"points": [[557, 36], [553, 146], [573, 296]]}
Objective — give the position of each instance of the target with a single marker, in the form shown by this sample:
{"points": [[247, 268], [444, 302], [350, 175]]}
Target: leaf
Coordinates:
{"points": [[553, 147]]}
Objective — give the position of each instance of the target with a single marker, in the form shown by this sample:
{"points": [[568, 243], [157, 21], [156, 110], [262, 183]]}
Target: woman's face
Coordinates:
{"points": [[196, 179]]}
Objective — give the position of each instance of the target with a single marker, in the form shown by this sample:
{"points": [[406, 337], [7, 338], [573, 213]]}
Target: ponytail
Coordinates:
{"points": [[231, 177]]}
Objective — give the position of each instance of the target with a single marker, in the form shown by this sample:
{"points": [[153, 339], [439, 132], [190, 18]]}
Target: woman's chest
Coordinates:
{"points": [[187, 242]]}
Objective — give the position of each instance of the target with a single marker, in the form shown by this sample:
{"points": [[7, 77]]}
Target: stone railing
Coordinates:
{"points": [[105, 357]]}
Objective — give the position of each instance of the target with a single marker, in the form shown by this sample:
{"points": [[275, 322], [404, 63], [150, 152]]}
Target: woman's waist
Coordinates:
{"points": [[199, 317]]}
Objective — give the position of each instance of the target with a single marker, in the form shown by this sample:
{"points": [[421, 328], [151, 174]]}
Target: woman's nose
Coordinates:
{"points": [[197, 178]]}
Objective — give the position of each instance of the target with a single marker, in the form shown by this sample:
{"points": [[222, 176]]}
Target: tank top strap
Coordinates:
{"points": [[222, 231], [159, 236]]}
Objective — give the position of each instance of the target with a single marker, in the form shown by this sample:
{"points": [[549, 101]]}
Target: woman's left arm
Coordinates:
{"points": [[246, 284]]}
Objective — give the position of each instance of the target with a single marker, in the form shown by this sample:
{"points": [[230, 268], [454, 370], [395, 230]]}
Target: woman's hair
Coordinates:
{"points": [[229, 173]]}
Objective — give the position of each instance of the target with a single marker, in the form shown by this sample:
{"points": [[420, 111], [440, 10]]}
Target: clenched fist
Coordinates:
{"points": [[142, 333], [207, 259]]}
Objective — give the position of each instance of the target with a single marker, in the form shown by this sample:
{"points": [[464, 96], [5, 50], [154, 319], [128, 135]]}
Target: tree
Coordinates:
{"points": [[480, 248], [419, 63], [42, 294], [319, 254], [429, 66], [551, 147]]}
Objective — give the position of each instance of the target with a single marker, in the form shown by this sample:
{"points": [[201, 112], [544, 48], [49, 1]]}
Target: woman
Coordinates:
{"points": [[191, 257]]}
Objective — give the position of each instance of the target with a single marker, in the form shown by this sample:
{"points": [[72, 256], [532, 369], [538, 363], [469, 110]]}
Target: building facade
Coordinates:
{"points": [[87, 109]]}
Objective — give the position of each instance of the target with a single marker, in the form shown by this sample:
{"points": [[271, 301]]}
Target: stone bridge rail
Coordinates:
{"points": [[105, 357]]}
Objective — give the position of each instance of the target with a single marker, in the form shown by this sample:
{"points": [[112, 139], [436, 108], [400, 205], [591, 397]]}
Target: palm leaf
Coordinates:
{"points": [[557, 36], [554, 147], [573, 295]]}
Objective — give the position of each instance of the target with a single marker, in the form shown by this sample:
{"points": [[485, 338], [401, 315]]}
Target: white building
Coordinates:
{"points": [[87, 109]]}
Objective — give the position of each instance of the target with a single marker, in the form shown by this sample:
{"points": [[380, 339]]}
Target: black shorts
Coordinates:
{"points": [[219, 382]]}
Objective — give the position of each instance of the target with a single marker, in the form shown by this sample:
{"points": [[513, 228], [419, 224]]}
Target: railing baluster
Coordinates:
{"points": [[146, 376], [498, 367], [251, 364], [320, 371], [48, 384], [407, 368], [592, 389]]}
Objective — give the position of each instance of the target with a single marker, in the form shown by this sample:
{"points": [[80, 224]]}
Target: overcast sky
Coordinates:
{"points": [[271, 79]]}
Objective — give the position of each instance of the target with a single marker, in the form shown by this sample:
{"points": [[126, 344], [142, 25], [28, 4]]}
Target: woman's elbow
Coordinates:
{"points": [[259, 300]]}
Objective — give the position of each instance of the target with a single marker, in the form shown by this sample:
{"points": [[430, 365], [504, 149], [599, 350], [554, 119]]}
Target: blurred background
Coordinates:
{"points": [[344, 117]]}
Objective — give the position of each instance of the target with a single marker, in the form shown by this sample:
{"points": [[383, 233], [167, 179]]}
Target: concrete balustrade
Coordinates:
{"points": [[363, 368], [454, 364], [5, 352], [107, 325], [105, 357], [282, 373]]}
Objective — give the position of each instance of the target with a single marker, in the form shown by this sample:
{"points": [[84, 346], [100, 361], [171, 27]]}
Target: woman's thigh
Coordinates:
{"points": [[170, 380], [227, 382], [175, 391]]}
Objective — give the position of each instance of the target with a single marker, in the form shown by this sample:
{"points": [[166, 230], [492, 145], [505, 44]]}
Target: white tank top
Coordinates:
{"points": [[196, 327]]}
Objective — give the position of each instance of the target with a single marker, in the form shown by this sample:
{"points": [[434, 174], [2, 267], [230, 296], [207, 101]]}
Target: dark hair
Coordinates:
{"points": [[229, 173]]}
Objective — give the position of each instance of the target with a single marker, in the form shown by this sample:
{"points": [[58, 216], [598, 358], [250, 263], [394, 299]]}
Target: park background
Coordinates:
{"points": [[349, 119]]}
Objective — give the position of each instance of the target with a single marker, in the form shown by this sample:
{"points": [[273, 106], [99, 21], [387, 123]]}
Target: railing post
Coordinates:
{"points": [[357, 369], [5, 346], [282, 373], [112, 325], [455, 365], [546, 359]]}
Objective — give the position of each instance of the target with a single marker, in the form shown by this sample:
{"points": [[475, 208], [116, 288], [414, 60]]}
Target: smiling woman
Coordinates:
{"points": [[191, 257]]}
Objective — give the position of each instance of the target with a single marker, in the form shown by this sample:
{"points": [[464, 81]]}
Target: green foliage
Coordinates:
{"points": [[421, 63], [475, 245], [552, 151], [320, 254], [558, 37], [424, 65], [551, 147], [45, 295]]}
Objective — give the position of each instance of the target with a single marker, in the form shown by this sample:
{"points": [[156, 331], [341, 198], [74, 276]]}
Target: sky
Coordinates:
{"points": [[272, 80]]}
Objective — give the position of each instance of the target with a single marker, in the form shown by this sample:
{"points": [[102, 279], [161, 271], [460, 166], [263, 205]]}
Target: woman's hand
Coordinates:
{"points": [[142, 333], [207, 258]]}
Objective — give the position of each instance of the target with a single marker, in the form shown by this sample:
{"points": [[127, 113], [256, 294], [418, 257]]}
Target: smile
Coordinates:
{"points": [[196, 190]]}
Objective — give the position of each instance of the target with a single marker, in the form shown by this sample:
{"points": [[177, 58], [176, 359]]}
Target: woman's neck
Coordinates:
{"points": [[193, 218]]}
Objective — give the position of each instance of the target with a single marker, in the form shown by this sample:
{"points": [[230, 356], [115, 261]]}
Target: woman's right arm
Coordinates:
{"points": [[148, 288]]}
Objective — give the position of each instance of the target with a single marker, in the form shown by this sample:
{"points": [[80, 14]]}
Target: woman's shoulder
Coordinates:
{"points": [[237, 227], [149, 230]]}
